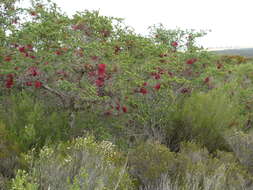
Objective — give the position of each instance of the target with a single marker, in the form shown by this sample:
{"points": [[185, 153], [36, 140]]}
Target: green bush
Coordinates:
{"points": [[30, 123], [148, 161], [203, 118], [192, 168], [80, 164]]}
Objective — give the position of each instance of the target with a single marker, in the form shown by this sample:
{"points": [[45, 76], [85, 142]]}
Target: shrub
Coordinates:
{"points": [[195, 168], [204, 118], [241, 143], [30, 123], [149, 161], [80, 164]]}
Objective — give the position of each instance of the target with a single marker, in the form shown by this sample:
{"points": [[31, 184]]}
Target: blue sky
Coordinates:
{"points": [[229, 20]]}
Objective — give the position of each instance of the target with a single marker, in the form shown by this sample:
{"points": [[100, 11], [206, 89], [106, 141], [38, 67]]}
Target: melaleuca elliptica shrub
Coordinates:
{"points": [[79, 164], [204, 117]]}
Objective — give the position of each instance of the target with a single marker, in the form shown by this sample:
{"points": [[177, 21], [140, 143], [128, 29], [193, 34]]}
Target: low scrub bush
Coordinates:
{"points": [[191, 168], [80, 164]]}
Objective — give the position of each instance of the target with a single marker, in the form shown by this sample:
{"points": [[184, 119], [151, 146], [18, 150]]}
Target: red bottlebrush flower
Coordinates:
{"points": [[174, 44], [206, 80], [108, 113], [157, 76], [101, 69], [7, 58], [32, 57], [170, 74], [9, 83], [118, 107], [10, 76], [124, 109], [191, 61], [46, 63], [22, 49], [58, 52], [185, 90], [161, 71], [143, 90], [28, 83], [100, 82], [157, 86], [145, 84], [26, 54], [33, 71], [117, 49], [37, 84]]}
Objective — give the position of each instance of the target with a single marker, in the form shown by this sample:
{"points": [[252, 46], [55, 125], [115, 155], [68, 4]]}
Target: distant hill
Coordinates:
{"points": [[247, 52]]}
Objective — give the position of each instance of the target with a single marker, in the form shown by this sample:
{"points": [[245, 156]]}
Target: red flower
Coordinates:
{"points": [[117, 49], [157, 76], [207, 79], [37, 84], [22, 49], [118, 107], [174, 44], [185, 90], [100, 82], [170, 74], [124, 109], [28, 83], [191, 61], [33, 71], [101, 69], [143, 90], [108, 113], [58, 52], [145, 84], [9, 82], [7, 58], [157, 86], [46, 63], [32, 57]]}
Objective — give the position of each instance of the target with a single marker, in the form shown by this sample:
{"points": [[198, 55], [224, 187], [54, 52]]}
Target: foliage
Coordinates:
{"points": [[79, 164], [65, 78]]}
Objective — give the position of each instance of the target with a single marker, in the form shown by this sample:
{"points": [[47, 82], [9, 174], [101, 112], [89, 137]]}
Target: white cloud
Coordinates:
{"points": [[229, 20]]}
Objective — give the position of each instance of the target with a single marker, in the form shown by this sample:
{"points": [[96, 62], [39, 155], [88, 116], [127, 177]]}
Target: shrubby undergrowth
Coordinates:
{"points": [[86, 103]]}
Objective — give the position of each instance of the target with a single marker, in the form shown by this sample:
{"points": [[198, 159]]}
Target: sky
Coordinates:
{"points": [[229, 20]]}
